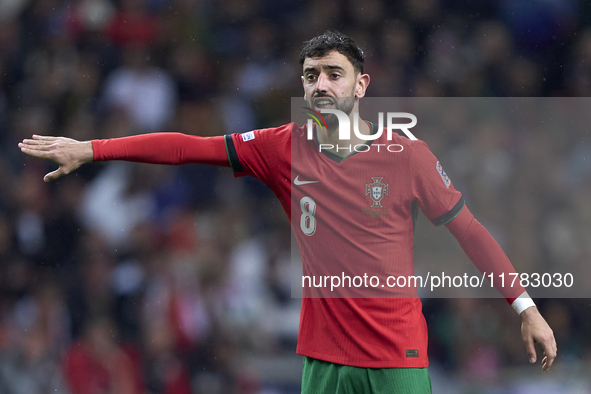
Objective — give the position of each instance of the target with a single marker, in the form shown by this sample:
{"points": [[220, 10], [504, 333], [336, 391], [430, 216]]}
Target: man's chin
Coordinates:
{"points": [[331, 120]]}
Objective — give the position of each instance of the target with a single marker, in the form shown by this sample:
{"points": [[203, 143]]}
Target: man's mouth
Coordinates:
{"points": [[323, 102]]}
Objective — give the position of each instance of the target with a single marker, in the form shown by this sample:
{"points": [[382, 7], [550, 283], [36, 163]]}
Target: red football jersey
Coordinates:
{"points": [[351, 216], [344, 222]]}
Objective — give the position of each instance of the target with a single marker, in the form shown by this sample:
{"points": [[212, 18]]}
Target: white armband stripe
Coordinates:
{"points": [[522, 302]]}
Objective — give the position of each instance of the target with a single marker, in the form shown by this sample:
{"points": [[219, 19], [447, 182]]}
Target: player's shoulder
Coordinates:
{"points": [[416, 145]]}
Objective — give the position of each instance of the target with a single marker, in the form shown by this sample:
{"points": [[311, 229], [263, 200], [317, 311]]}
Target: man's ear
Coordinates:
{"points": [[362, 83]]}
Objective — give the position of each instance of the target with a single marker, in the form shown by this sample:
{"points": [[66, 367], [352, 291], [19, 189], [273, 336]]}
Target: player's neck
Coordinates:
{"points": [[331, 137]]}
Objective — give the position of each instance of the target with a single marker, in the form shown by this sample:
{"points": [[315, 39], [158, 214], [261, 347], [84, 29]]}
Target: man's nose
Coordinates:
{"points": [[322, 84]]}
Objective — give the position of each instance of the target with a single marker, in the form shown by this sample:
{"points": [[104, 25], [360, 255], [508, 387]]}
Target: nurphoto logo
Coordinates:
{"points": [[345, 128]]}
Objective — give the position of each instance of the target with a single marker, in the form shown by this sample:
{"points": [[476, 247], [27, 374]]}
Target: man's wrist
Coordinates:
{"points": [[522, 303], [90, 158], [529, 312]]}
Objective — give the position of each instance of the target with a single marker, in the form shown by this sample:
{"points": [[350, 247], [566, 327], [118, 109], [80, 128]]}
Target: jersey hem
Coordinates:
{"points": [[364, 363]]}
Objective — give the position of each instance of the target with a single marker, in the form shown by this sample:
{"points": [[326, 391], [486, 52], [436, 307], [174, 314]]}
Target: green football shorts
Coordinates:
{"points": [[322, 377]]}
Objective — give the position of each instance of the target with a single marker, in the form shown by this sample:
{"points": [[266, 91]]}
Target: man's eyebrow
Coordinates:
{"points": [[334, 67], [314, 69]]}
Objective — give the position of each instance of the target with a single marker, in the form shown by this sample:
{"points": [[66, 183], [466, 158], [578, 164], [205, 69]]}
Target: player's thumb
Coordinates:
{"points": [[54, 175], [531, 350]]}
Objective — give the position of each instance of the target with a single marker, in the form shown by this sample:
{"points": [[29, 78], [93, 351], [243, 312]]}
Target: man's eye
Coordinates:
{"points": [[335, 76], [311, 77]]}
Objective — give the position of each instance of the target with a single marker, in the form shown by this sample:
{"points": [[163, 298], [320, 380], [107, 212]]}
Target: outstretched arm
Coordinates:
{"points": [[156, 148], [488, 256]]}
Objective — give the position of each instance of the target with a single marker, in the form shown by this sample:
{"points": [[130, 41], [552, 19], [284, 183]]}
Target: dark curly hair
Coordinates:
{"points": [[333, 40]]}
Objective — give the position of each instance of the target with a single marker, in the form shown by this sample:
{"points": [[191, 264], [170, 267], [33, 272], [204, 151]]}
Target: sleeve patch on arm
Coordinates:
{"points": [[443, 175], [449, 215], [232, 155], [247, 136]]}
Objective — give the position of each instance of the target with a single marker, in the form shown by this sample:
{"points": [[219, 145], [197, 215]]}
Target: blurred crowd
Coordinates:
{"points": [[126, 278]]}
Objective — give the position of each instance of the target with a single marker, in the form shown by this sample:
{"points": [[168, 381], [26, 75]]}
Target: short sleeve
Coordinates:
{"points": [[258, 153], [431, 186]]}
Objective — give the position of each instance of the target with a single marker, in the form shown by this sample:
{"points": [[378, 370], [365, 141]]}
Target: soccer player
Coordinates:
{"points": [[350, 344]]}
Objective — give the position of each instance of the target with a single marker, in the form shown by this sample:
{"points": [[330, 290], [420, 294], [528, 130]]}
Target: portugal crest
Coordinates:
{"points": [[376, 190]]}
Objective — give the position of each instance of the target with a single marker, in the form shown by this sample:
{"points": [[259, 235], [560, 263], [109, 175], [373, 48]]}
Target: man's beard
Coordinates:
{"points": [[343, 104]]}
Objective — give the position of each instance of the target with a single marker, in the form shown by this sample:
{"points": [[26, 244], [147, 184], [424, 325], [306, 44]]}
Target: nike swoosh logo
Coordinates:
{"points": [[298, 182]]}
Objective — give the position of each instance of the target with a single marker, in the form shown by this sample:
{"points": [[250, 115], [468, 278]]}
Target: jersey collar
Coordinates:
{"points": [[339, 158]]}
